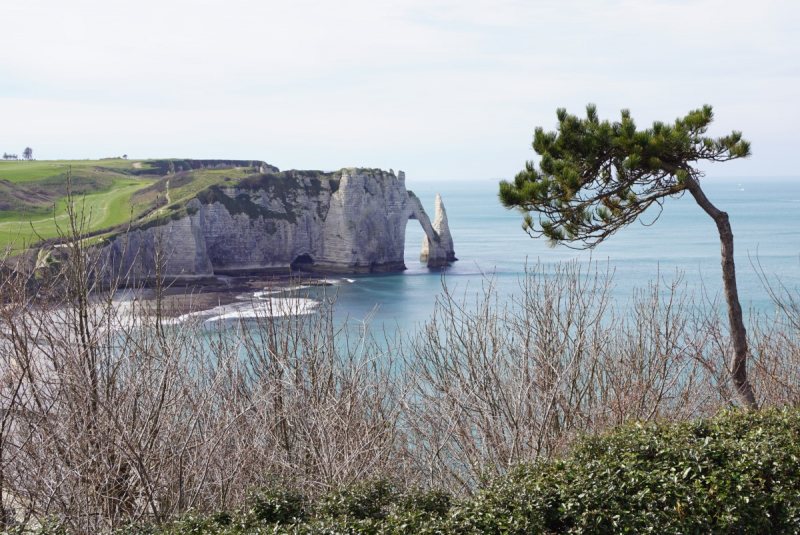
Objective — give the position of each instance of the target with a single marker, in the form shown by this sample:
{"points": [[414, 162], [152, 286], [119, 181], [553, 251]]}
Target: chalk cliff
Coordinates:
{"points": [[442, 229], [351, 221]]}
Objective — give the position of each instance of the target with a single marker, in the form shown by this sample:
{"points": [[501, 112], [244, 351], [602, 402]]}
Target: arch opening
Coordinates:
{"points": [[414, 234]]}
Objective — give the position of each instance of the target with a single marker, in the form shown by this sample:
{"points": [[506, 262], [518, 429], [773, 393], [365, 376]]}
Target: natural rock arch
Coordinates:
{"points": [[437, 246], [350, 221]]}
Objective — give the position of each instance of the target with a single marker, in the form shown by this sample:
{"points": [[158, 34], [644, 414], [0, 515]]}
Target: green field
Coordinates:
{"points": [[23, 171], [105, 209], [107, 192], [33, 196]]}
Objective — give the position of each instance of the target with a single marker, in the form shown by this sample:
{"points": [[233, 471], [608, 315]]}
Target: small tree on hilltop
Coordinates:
{"points": [[27, 153], [596, 177]]}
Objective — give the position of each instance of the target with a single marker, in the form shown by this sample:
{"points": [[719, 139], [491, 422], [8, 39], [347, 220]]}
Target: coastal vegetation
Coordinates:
{"points": [[120, 417], [734, 473], [559, 410]]}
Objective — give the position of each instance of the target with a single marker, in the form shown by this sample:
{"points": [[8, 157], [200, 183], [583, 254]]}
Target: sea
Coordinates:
{"points": [[679, 242]]}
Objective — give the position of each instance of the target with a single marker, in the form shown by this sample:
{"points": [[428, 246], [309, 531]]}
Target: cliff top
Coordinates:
{"points": [[115, 192]]}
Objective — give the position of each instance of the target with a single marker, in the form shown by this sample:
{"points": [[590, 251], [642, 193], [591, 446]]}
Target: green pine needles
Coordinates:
{"points": [[596, 177]]}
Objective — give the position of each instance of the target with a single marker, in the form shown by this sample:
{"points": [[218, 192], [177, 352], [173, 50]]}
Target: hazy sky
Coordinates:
{"points": [[441, 89]]}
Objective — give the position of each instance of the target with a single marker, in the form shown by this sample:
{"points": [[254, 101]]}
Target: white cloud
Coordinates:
{"points": [[450, 88]]}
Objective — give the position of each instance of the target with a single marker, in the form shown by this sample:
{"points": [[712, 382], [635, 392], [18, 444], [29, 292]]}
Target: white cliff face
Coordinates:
{"points": [[353, 221], [274, 226], [175, 249], [442, 227], [365, 227]]}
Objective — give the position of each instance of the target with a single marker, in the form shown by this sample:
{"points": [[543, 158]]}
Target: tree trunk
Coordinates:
{"points": [[738, 363]]}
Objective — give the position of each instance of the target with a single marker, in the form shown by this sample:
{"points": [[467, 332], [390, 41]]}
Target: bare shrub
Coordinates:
{"points": [[132, 418], [776, 344], [112, 412], [497, 383]]}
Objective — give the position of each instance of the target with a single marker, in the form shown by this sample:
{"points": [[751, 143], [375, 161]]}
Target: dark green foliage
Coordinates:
{"points": [[79, 183], [364, 500], [738, 473], [596, 177], [316, 187], [433, 502], [159, 187], [242, 205], [276, 506], [286, 182], [266, 181], [16, 198], [165, 167], [309, 173], [178, 180]]}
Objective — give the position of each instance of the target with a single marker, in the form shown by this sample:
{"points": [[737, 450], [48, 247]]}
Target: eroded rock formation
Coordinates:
{"points": [[442, 229], [353, 221]]}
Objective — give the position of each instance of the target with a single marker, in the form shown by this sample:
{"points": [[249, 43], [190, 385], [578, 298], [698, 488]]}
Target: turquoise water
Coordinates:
{"points": [[489, 241]]}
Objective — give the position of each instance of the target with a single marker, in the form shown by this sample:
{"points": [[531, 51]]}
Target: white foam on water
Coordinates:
{"points": [[269, 308], [262, 308], [260, 295], [263, 293]]}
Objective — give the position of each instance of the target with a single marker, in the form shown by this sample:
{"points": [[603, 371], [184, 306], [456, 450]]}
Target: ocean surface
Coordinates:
{"points": [[490, 243]]}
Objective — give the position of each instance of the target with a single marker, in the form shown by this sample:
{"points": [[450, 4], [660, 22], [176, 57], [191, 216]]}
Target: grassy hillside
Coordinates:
{"points": [[32, 196], [24, 171], [110, 192]]}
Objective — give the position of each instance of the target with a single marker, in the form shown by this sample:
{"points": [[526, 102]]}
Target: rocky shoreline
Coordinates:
{"points": [[188, 298]]}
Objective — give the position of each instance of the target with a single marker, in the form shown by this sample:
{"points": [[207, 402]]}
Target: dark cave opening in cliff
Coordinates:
{"points": [[302, 262]]}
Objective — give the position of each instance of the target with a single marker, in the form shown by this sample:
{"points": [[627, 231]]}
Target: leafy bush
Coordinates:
{"points": [[277, 505], [364, 500], [736, 473]]}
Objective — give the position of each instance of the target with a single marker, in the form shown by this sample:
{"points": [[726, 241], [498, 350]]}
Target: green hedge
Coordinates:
{"points": [[736, 473]]}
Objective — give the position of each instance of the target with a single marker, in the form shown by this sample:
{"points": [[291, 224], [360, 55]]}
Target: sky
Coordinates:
{"points": [[442, 89]]}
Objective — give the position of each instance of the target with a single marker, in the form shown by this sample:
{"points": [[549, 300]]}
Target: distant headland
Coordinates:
{"points": [[203, 218]]}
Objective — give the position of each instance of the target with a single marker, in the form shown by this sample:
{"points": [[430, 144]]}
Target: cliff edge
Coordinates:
{"points": [[350, 221]]}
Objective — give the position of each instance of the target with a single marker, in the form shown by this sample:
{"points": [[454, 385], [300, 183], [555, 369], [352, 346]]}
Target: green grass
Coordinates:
{"points": [[22, 171], [182, 187], [102, 209]]}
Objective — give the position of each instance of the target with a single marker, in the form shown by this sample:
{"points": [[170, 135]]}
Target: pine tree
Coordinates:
{"points": [[596, 177]]}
